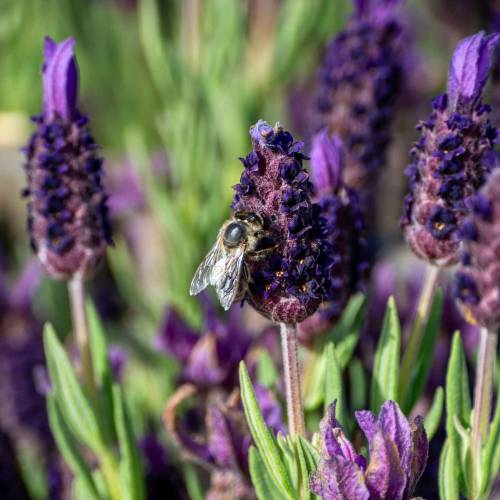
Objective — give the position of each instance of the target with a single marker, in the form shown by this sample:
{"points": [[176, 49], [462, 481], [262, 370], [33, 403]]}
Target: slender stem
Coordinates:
{"points": [[418, 329], [483, 395], [295, 408], [80, 328]]}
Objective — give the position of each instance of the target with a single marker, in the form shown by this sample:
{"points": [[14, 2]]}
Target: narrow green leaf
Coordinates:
{"points": [[351, 319], [334, 388], [433, 418], [491, 452], [102, 373], [267, 374], [357, 379], [75, 408], [303, 472], [193, 482], [264, 486], [315, 393], [263, 438], [311, 454], [386, 365], [131, 472], [457, 401], [69, 449], [448, 478], [426, 354]]}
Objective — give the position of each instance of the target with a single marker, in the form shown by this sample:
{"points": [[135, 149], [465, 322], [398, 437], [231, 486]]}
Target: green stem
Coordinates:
{"points": [[418, 329], [109, 468], [80, 327], [483, 395], [295, 407]]}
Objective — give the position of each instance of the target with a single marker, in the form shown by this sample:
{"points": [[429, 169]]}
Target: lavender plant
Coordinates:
{"points": [[69, 231]]}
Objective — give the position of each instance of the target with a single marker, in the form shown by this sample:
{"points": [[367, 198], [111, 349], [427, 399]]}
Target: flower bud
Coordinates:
{"points": [[67, 210]]}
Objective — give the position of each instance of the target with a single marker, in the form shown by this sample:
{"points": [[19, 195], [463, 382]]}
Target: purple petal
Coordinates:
{"points": [[469, 68], [327, 162], [60, 79], [395, 425], [219, 438], [270, 408], [176, 338], [384, 477], [203, 366], [117, 359], [368, 423], [27, 285], [337, 479], [419, 456]]}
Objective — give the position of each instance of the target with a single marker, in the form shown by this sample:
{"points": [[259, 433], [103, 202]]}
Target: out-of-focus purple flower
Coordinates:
{"points": [[162, 477], [477, 283], [209, 358], [289, 284], [345, 230], [398, 454], [67, 209], [117, 359], [222, 445], [126, 192], [450, 161], [360, 82]]}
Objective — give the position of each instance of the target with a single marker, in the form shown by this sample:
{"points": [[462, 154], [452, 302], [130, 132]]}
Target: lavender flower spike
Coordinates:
{"points": [[476, 284], [398, 453], [67, 205], [450, 161], [289, 283], [345, 231], [359, 84]]}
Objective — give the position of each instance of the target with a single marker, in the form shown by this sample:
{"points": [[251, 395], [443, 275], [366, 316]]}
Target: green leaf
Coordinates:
{"points": [[448, 478], [267, 375], [75, 407], [357, 379], [264, 486], [426, 354], [131, 472], [262, 436], [102, 373], [457, 402], [433, 418], [334, 388], [351, 319], [315, 393], [69, 449], [386, 365], [491, 452]]}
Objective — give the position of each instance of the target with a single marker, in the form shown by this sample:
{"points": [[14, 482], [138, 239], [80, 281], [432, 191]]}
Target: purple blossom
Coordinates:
{"points": [[476, 283], [209, 358], [117, 359], [345, 231], [450, 161], [291, 282], [359, 84], [398, 454], [67, 205]]}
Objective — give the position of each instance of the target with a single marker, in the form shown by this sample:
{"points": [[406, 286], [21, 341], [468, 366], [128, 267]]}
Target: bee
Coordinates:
{"points": [[241, 240]]}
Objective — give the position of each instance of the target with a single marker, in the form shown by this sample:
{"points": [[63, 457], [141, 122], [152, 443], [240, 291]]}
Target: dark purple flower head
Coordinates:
{"points": [[345, 231], [359, 84], [398, 454], [67, 210], [209, 358], [450, 161], [290, 283], [476, 285]]}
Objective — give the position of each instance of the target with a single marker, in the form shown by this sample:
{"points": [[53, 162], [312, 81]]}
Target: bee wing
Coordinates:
{"points": [[228, 277], [205, 274]]}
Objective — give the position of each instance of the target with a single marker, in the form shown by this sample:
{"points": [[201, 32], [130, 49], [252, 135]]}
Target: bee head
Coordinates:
{"points": [[235, 234]]}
